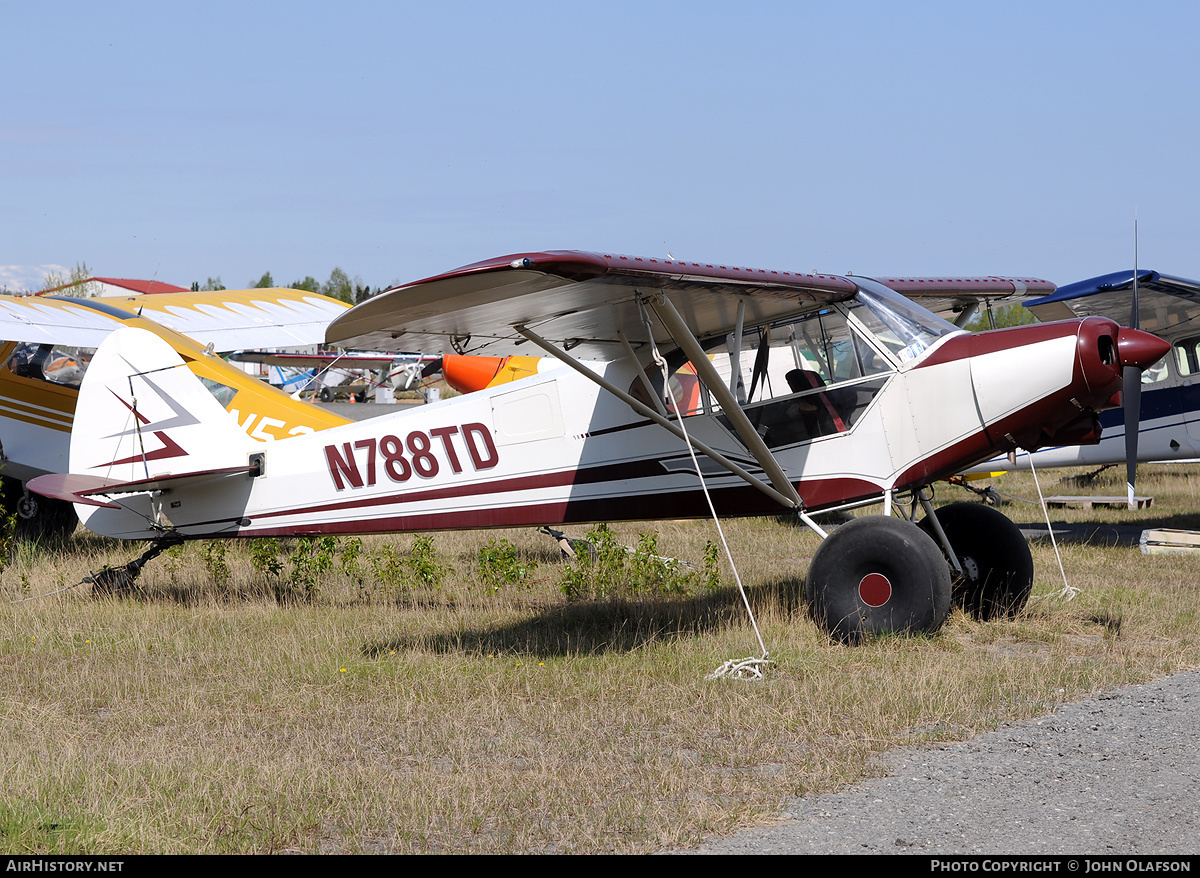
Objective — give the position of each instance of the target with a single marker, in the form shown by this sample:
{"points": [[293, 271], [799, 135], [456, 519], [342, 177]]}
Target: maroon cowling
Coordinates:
{"points": [[1068, 416]]}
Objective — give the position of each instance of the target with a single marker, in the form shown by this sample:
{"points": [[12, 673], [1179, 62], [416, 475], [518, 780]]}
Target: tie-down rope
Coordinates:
{"points": [[1069, 591], [749, 668]]}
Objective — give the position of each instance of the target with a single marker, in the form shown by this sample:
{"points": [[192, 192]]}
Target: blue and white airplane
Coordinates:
{"points": [[1168, 404]]}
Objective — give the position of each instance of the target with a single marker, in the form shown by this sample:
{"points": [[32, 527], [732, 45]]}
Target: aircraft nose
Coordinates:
{"points": [[1140, 349]]}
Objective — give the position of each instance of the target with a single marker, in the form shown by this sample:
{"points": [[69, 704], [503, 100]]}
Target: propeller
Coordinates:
{"points": [[1131, 390]]}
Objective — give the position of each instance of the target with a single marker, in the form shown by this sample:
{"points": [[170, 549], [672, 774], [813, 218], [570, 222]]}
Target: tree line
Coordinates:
{"points": [[339, 286]]}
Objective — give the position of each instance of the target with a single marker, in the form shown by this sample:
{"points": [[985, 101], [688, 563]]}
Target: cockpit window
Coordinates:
{"points": [[55, 364], [906, 329], [794, 356], [797, 380]]}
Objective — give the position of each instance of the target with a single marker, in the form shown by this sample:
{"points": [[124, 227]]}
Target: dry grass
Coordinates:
{"points": [[202, 715]]}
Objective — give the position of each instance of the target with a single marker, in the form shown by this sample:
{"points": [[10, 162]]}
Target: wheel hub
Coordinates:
{"points": [[27, 507], [875, 589]]}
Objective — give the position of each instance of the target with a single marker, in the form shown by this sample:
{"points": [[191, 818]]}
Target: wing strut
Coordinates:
{"points": [[791, 501], [729, 405]]}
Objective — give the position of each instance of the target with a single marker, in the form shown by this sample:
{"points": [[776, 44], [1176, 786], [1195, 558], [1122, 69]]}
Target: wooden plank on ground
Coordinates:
{"points": [[1168, 541], [1083, 502]]}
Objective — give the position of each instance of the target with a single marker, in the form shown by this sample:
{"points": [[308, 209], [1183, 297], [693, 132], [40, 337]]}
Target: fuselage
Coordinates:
{"points": [[556, 448]]}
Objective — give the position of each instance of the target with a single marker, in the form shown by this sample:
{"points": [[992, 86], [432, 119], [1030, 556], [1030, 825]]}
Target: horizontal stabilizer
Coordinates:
{"points": [[76, 488], [73, 488]]}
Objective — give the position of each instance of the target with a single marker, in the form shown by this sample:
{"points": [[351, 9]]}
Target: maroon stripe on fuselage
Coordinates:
{"points": [[637, 469], [735, 501]]}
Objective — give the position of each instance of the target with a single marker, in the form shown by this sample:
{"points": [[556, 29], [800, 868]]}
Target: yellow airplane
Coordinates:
{"points": [[50, 343]]}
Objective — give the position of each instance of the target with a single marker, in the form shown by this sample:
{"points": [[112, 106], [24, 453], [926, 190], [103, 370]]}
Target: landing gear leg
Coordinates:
{"points": [[112, 580], [988, 494], [997, 565], [878, 575]]}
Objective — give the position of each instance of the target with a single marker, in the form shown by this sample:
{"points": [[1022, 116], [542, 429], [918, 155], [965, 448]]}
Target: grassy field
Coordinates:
{"points": [[399, 694]]}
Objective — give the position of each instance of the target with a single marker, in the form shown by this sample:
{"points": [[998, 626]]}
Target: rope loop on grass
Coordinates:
{"points": [[741, 669]]}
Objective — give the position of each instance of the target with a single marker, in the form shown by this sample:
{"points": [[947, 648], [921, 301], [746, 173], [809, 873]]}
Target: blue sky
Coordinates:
{"points": [[394, 140]]}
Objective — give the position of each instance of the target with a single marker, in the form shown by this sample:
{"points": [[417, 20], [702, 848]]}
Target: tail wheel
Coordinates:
{"points": [[37, 517], [997, 565], [878, 575]]}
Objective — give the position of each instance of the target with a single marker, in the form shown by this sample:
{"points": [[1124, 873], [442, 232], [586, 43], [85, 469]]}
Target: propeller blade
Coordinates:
{"points": [[1131, 400], [1131, 390]]}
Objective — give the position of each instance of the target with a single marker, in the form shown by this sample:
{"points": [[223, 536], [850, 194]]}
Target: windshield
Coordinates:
{"points": [[904, 327]]}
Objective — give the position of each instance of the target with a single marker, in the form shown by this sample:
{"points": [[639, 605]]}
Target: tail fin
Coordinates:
{"points": [[142, 415]]}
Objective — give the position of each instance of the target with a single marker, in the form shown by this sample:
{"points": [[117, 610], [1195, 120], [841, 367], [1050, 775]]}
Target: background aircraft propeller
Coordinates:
{"points": [[1131, 397]]}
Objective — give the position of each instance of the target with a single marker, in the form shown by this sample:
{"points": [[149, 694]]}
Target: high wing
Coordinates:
{"points": [[1166, 305], [958, 299], [582, 302], [228, 319], [350, 360]]}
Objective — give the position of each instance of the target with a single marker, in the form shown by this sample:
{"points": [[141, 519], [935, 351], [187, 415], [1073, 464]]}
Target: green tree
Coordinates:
{"points": [[309, 283], [79, 278], [339, 287], [1015, 314], [264, 282]]}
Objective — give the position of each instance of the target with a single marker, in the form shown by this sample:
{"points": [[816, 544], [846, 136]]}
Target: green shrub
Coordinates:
{"points": [[614, 571], [499, 565]]}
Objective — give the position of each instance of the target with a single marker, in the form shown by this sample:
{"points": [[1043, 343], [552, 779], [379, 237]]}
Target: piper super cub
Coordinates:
{"points": [[800, 392]]}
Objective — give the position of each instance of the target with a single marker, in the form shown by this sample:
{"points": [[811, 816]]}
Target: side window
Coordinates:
{"points": [[55, 364], [1187, 356], [223, 393], [825, 344], [794, 357], [686, 390], [806, 378], [796, 380]]}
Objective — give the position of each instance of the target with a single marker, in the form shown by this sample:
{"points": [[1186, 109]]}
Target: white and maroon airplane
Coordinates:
{"points": [[798, 392]]}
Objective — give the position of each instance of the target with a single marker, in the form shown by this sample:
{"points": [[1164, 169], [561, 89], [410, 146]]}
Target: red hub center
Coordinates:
{"points": [[875, 589]]}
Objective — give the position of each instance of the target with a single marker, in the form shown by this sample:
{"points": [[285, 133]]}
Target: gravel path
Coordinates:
{"points": [[1117, 774]]}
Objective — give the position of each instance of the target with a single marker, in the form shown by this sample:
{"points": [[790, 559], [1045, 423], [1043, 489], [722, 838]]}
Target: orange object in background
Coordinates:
{"points": [[468, 373]]}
